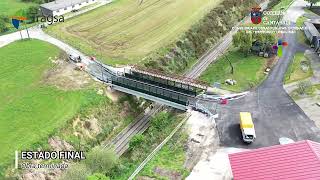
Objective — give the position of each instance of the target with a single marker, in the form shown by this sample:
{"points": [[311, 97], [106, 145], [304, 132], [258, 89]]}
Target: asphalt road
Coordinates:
{"points": [[274, 113]]}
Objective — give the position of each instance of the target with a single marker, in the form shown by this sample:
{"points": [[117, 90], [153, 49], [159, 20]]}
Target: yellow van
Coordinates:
{"points": [[247, 127]]}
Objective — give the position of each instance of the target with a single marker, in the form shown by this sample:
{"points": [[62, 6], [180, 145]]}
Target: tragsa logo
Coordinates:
{"points": [[16, 21], [256, 15]]}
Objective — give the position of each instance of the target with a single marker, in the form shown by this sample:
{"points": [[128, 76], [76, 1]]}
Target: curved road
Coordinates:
{"points": [[274, 113]]}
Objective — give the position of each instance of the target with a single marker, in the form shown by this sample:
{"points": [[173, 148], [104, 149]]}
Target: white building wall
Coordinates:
{"points": [[74, 7]]}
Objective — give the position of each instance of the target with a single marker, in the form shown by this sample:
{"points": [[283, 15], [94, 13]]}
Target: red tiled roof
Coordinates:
{"points": [[296, 161]]}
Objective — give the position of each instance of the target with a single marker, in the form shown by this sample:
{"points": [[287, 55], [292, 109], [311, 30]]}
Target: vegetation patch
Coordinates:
{"points": [[101, 163], [248, 71], [170, 158], [299, 69], [304, 89], [151, 139], [302, 39]]}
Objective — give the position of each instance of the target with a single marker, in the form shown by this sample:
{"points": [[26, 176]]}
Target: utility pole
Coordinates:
{"points": [[20, 35], [27, 29]]}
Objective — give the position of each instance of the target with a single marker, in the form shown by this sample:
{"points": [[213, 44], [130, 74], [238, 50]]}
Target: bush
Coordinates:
{"points": [[160, 121], [136, 141], [3, 26], [76, 172], [101, 160], [304, 87]]}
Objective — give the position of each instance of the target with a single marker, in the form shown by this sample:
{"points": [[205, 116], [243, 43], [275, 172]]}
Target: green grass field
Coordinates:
{"points": [[248, 71], [125, 32], [11, 7], [294, 72], [31, 110]]}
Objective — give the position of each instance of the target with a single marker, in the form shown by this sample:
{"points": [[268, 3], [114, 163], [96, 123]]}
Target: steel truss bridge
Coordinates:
{"points": [[177, 92]]}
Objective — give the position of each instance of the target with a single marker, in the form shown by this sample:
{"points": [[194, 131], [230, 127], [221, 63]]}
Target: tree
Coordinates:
{"points": [[101, 160], [76, 171], [3, 26], [32, 13], [270, 38], [243, 40], [259, 37], [312, 2], [136, 141], [5, 18]]}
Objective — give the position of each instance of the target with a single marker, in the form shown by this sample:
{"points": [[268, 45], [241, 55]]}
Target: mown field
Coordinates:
{"points": [[11, 7], [31, 110], [125, 32]]}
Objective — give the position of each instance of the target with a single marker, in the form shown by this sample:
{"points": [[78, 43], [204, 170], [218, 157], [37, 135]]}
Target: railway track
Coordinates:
{"points": [[121, 142]]}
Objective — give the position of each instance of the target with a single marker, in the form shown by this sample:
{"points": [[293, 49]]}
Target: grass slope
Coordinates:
{"points": [[171, 157], [10, 7], [31, 110], [248, 71], [294, 72], [125, 32]]}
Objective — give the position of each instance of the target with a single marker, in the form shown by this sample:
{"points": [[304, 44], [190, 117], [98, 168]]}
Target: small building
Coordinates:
{"points": [[60, 7], [311, 33], [295, 161]]}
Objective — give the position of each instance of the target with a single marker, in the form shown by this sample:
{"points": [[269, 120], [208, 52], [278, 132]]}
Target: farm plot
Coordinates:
{"points": [[30, 109], [126, 31]]}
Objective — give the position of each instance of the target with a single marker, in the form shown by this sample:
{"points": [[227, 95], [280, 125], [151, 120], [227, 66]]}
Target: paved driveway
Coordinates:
{"points": [[275, 114]]}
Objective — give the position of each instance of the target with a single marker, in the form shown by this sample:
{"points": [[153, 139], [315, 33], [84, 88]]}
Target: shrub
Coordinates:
{"points": [[101, 160], [304, 87], [76, 172], [136, 141], [160, 121]]}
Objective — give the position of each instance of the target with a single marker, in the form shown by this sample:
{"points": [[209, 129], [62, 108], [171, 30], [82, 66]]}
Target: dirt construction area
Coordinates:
{"points": [[205, 157]]}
